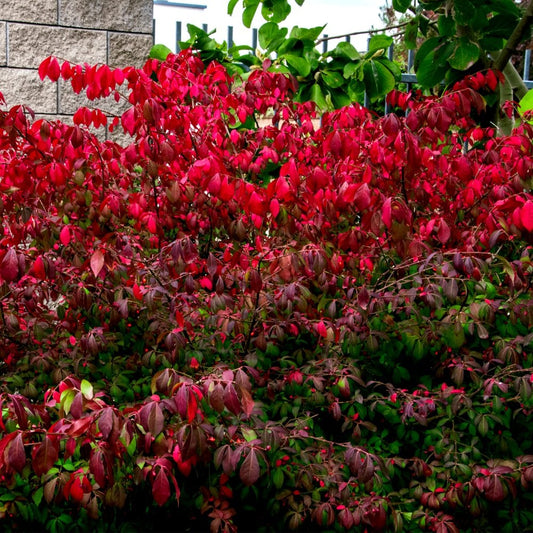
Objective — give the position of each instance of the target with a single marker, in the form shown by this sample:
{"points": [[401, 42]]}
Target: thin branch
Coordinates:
{"points": [[401, 25], [518, 33]]}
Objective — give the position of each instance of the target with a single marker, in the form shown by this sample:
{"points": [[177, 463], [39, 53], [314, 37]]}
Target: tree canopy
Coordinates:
{"points": [[451, 38]]}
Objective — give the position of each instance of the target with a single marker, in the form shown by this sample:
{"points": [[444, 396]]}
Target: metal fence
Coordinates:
{"points": [[408, 77]]}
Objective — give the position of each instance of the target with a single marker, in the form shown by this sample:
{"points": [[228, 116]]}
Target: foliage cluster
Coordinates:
{"points": [[285, 326]]}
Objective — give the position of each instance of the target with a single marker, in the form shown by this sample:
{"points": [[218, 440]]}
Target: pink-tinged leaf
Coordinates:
{"points": [[105, 421], [249, 471], [9, 267], [526, 215], [54, 70], [97, 466], [321, 329], [97, 262], [192, 407], [161, 488], [362, 197], [444, 232], [152, 418], [274, 207], [20, 411], [64, 235], [256, 204], [128, 121], [386, 212], [181, 399], [76, 407], [216, 398], [14, 454], [247, 402], [45, 456], [231, 400], [43, 68], [39, 269]]}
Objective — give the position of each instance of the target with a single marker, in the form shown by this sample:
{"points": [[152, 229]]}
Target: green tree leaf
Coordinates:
{"points": [[298, 63], [249, 12], [379, 42], [310, 34], [159, 51], [231, 6], [271, 36], [317, 96], [378, 79], [401, 5], [465, 55], [411, 33], [526, 103]]}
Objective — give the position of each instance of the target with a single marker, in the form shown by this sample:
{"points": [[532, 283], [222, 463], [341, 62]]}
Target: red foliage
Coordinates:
{"points": [[211, 234]]}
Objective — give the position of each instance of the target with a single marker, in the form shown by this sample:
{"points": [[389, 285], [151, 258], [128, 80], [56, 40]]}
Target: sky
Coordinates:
{"points": [[340, 17]]}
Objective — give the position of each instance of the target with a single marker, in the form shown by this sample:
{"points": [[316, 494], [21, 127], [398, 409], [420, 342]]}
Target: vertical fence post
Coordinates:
{"points": [[178, 35], [390, 55], [527, 64], [254, 39], [230, 36], [325, 43]]}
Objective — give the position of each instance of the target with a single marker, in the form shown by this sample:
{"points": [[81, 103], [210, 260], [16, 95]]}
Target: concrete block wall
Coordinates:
{"points": [[117, 32]]}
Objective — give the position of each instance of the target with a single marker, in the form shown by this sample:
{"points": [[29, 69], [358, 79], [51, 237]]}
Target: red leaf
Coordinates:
{"points": [[161, 487], [526, 215], [216, 398], [321, 329], [128, 121], [152, 418], [43, 67], [54, 69], [97, 262], [444, 232], [9, 268], [274, 207], [38, 268], [249, 471], [247, 402], [231, 400], [105, 421], [386, 212], [45, 456], [14, 454], [97, 468]]}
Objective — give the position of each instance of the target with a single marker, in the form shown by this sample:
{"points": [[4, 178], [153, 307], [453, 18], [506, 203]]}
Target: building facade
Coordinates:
{"points": [[117, 33]]}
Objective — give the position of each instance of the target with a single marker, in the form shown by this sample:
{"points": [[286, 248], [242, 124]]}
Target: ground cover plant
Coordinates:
{"points": [[231, 327]]}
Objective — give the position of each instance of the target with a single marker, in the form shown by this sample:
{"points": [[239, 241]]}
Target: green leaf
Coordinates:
{"points": [[231, 6], [317, 96], [411, 33], [309, 34], [526, 103], [332, 79], [465, 55], [86, 389], [433, 67], [446, 26], [465, 12], [350, 69], [249, 12], [379, 42], [271, 36], [401, 5], [159, 51], [346, 49], [378, 79], [276, 10], [277, 478], [298, 63]]}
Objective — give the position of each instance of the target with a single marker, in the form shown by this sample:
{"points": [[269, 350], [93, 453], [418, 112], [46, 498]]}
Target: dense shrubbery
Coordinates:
{"points": [[275, 327]]}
